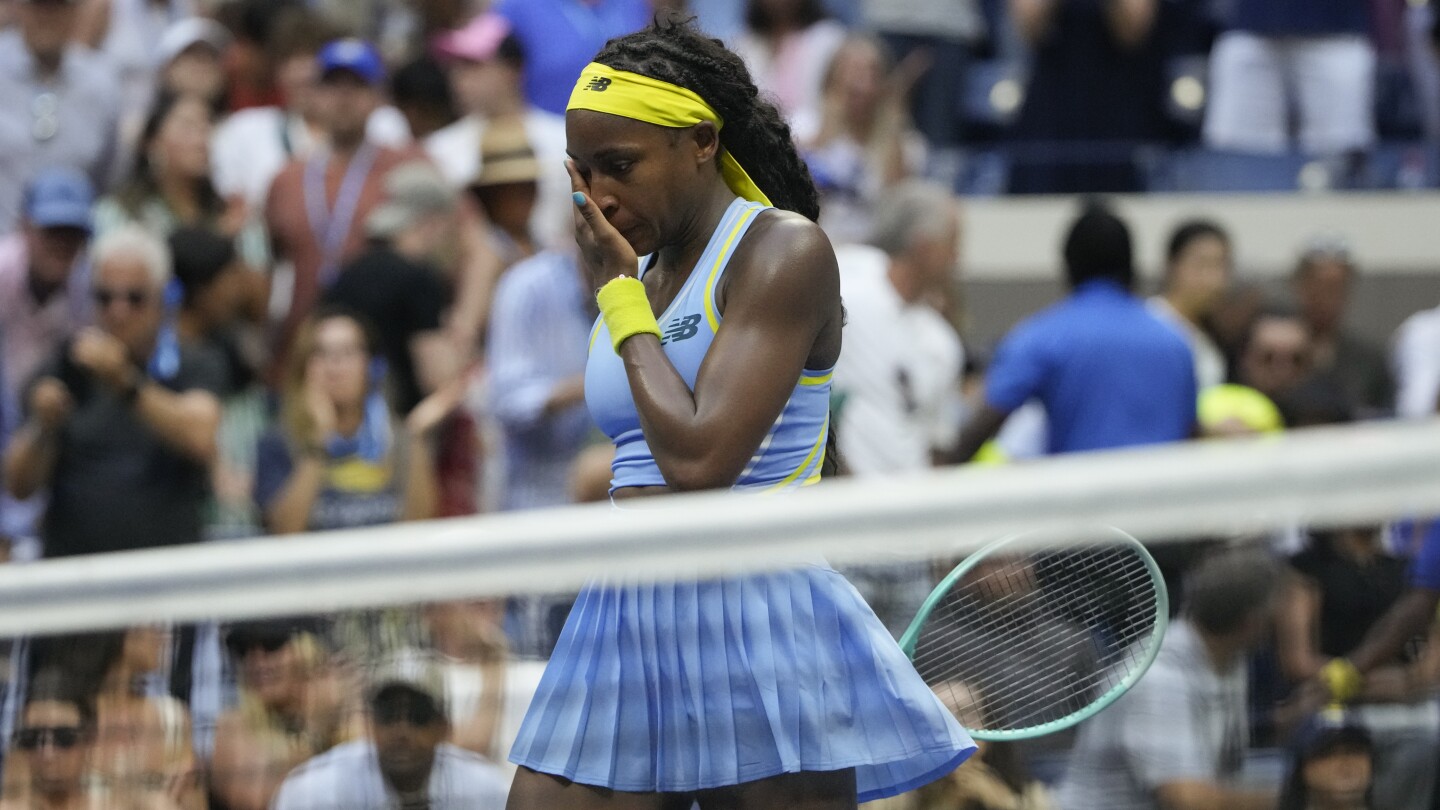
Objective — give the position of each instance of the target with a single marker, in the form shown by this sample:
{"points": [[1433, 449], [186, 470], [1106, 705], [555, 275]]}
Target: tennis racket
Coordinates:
{"points": [[1031, 635]]}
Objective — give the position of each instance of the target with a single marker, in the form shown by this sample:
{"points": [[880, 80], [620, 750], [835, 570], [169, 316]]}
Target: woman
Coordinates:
{"points": [[860, 141], [291, 708], [142, 745], [775, 690], [169, 186], [341, 458], [787, 45]]}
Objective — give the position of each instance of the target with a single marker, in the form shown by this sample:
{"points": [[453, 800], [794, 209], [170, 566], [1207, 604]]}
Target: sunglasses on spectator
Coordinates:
{"points": [[104, 296], [1272, 357], [417, 713], [240, 647], [62, 737]]}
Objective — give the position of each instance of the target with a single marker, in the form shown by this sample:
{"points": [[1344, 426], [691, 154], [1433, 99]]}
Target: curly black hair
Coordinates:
{"points": [[675, 51]]}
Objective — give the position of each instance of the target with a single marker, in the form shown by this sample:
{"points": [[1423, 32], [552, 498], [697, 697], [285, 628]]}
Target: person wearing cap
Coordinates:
{"points": [[487, 65], [318, 206], [40, 304], [253, 145], [407, 762], [395, 285], [1109, 373], [1323, 281], [191, 58], [61, 100], [1333, 767]]}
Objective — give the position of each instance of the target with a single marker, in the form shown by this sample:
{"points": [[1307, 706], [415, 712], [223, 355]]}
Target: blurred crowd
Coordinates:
{"points": [[272, 266]]}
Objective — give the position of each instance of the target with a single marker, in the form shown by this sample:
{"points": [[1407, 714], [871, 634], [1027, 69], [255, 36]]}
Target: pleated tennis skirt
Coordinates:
{"points": [[687, 686]]}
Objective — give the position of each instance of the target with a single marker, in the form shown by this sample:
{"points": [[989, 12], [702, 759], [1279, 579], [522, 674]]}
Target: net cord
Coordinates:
{"points": [[1321, 478]]}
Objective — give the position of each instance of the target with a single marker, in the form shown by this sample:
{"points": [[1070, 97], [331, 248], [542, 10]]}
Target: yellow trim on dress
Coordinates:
{"points": [[720, 261], [805, 465]]}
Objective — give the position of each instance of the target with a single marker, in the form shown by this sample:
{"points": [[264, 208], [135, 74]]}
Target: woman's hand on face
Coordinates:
{"points": [[319, 404], [605, 252]]}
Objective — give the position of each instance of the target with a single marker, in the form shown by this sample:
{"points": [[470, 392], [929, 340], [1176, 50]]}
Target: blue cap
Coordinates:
{"points": [[355, 55], [59, 198]]}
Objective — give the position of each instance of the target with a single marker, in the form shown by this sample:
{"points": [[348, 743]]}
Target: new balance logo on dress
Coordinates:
{"points": [[681, 328], [598, 84]]}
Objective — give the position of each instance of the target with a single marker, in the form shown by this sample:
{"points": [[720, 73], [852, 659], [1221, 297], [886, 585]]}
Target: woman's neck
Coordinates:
{"points": [[349, 419], [681, 256], [181, 194]]}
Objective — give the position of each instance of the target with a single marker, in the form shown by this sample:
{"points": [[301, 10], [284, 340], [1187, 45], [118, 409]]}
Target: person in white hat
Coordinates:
{"points": [[407, 762]]}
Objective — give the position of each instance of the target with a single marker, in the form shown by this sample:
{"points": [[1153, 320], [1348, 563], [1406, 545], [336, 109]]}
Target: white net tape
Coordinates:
{"points": [[1319, 478]]}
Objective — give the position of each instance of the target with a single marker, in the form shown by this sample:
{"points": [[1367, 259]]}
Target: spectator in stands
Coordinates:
{"points": [[858, 141], [1109, 373], [126, 33], [216, 293], [1177, 739], [122, 422], [395, 286], [1417, 365], [406, 762], [788, 45], [421, 92], [1333, 770], [487, 64], [946, 32], [506, 189], [1311, 56], [898, 378], [1323, 280], [488, 689], [318, 205], [53, 746], [61, 99], [536, 388], [142, 742], [38, 305], [1345, 583], [558, 38], [170, 183], [292, 707], [1198, 268], [1096, 88], [253, 145], [1278, 355], [1231, 319], [340, 458], [191, 56]]}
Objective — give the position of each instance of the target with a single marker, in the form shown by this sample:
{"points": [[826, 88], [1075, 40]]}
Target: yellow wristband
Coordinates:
{"points": [[1342, 679], [626, 310]]}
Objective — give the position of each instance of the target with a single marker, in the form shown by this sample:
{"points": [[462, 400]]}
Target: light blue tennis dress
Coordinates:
{"points": [[686, 686]]}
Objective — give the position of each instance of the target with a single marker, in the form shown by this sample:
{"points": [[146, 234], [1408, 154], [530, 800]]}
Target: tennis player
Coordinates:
{"points": [[710, 368]]}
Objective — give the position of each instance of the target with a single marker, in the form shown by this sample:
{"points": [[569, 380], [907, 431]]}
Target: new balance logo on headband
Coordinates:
{"points": [[682, 328], [598, 84]]}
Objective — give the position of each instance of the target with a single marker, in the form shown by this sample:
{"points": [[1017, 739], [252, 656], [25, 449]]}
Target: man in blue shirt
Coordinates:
{"points": [[560, 36], [1109, 373]]}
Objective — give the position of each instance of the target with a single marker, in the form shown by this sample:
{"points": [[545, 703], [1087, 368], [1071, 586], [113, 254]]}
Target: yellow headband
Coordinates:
{"points": [[630, 95]]}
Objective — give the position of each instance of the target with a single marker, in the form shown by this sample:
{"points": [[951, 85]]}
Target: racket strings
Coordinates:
{"points": [[1034, 638]]}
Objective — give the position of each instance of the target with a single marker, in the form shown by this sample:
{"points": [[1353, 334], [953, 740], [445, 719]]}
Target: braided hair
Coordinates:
{"points": [[754, 132]]}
